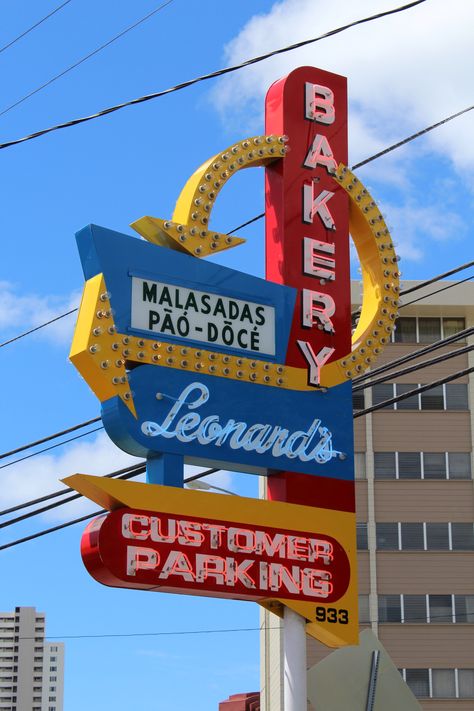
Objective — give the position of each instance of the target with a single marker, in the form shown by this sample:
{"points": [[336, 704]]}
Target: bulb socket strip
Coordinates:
{"points": [[188, 230], [381, 279]]}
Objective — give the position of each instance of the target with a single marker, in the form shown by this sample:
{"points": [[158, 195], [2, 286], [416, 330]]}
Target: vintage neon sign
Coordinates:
{"points": [[197, 362], [166, 539], [173, 553]]}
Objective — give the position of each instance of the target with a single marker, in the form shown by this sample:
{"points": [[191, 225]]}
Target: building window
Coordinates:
{"points": [[459, 465], [456, 396], [361, 531], [462, 536], [466, 683], [441, 608], [414, 609], [382, 392], [451, 326], [429, 330], [426, 329], [437, 536], [385, 466], [405, 331], [387, 536], [412, 536], [389, 608], [409, 403], [464, 608], [409, 465], [419, 682], [358, 400], [444, 683], [433, 399], [434, 465]]}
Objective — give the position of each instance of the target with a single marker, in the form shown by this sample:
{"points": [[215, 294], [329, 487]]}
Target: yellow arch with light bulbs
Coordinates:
{"points": [[95, 348], [188, 231]]}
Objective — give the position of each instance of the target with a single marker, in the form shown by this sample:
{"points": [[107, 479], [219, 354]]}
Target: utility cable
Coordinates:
{"points": [[47, 323], [59, 527], [415, 391], [362, 623], [37, 328], [211, 75], [53, 446], [49, 437], [389, 366], [413, 368], [86, 57], [33, 27], [360, 413], [460, 335], [67, 489], [436, 278], [438, 291]]}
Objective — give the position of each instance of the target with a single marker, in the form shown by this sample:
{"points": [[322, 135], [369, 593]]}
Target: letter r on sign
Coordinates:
{"points": [[318, 307]]}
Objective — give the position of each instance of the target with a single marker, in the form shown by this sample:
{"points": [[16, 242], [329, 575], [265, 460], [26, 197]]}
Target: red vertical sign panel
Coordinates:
{"points": [[307, 236]]}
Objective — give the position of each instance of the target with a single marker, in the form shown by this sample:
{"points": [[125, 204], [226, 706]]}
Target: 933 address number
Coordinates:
{"points": [[333, 615]]}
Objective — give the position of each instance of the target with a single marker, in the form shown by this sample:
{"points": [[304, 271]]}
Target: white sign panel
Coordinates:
{"points": [[201, 316]]}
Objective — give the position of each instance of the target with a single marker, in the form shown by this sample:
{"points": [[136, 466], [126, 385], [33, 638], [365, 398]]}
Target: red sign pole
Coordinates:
{"points": [[307, 247]]}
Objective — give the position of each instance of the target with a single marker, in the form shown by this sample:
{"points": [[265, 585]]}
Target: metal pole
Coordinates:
{"points": [[294, 653], [374, 668]]}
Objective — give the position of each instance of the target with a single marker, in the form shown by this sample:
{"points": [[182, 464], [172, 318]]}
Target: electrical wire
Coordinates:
{"points": [[59, 527], [437, 278], [85, 58], [67, 489], [370, 374], [415, 391], [438, 291], [33, 27], [37, 328], [413, 368], [49, 437], [47, 323], [460, 335], [53, 446], [211, 75]]}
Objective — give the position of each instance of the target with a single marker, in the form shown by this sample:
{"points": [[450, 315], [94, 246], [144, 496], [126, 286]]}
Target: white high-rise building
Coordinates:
{"points": [[31, 670]]}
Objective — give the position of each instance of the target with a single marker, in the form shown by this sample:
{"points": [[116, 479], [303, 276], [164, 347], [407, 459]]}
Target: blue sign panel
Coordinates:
{"points": [[235, 424]]}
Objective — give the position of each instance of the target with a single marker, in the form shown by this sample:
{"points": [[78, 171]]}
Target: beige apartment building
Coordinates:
{"points": [[31, 669], [415, 512]]}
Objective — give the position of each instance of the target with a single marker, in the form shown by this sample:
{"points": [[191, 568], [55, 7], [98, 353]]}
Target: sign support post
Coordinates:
{"points": [[294, 654]]}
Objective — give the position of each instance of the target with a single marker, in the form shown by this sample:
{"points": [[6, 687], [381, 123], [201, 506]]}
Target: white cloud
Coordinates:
{"points": [[19, 312], [404, 71], [41, 475]]}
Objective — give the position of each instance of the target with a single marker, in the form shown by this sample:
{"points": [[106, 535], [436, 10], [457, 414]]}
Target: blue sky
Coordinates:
{"points": [[404, 72]]}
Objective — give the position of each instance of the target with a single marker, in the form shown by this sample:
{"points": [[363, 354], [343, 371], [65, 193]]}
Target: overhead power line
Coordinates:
{"points": [[460, 335], [211, 75], [413, 368], [49, 437], [369, 374], [33, 27], [415, 391], [86, 57], [427, 282], [53, 446], [59, 527], [437, 291]]}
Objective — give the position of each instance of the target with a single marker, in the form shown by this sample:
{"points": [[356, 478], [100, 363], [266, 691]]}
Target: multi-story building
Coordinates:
{"points": [[31, 669], [415, 511]]}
